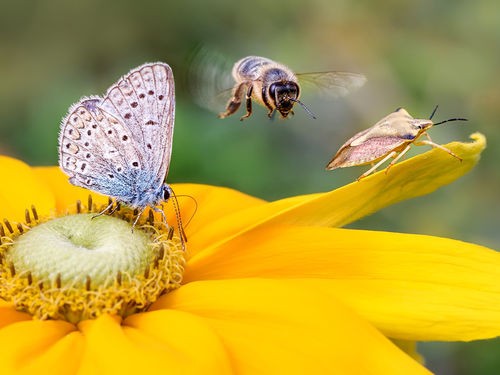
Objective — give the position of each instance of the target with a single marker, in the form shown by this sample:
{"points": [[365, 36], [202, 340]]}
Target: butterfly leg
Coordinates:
{"points": [[137, 218], [235, 102], [156, 209], [182, 233], [372, 169], [108, 207]]}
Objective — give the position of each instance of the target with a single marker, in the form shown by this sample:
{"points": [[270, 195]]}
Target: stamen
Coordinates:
{"points": [[9, 227], [12, 269], [35, 213], [32, 288], [170, 234], [87, 283], [161, 253], [89, 203]]}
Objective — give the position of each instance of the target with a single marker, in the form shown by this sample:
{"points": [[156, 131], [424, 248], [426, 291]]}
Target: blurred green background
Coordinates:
{"points": [[415, 54]]}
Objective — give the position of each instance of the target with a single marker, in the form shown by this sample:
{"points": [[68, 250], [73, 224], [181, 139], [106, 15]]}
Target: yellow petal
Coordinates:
{"points": [[9, 315], [412, 287], [183, 341], [414, 177], [33, 347], [21, 189], [209, 204], [153, 343], [271, 327]]}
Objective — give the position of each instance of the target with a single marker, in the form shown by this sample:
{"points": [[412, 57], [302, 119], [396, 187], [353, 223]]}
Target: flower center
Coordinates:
{"points": [[81, 265]]}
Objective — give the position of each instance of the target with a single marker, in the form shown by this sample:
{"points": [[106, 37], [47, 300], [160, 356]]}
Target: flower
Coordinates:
{"points": [[274, 287]]}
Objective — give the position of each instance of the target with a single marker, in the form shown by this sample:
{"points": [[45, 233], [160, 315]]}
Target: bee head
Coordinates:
{"points": [[284, 94]]}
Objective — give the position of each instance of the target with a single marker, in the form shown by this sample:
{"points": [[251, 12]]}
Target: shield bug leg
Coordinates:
{"points": [[374, 168], [432, 144], [399, 156]]}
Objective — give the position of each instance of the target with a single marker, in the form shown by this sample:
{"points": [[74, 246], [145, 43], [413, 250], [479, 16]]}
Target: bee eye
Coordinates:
{"points": [[272, 90]]}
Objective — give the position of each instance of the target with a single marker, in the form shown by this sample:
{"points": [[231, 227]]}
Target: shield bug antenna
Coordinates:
{"points": [[391, 137], [442, 122]]}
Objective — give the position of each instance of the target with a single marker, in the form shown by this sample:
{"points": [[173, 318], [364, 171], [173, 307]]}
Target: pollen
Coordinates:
{"points": [[83, 264]]}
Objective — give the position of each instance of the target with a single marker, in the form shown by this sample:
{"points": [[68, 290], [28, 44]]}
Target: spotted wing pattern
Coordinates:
{"points": [[108, 144]]}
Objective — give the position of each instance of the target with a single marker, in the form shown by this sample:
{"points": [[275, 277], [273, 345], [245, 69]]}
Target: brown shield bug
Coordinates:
{"points": [[391, 137]]}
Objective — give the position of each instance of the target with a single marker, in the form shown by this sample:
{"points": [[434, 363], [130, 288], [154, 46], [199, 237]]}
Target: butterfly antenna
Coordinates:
{"points": [[305, 108], [195, 207], [182, 234]]}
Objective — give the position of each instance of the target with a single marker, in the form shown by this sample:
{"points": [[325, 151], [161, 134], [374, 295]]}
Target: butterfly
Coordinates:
{"points": [[120, 144]]}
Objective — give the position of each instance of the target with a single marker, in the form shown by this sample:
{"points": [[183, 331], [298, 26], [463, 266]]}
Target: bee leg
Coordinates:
{"points": [[234, 102], [248, 103]]}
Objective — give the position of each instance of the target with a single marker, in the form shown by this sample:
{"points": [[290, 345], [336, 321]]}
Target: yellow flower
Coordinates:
{"points": [[274, 287]]}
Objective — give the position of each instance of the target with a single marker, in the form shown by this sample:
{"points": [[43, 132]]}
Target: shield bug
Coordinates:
{"points": [[391, 137]]}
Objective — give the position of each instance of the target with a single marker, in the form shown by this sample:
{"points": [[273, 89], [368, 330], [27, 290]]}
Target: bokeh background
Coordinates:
{"points": [[415, 54]]}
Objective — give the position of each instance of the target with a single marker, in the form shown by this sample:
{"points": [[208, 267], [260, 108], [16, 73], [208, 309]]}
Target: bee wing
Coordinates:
{"points": [[333, 84], [209, 79]]}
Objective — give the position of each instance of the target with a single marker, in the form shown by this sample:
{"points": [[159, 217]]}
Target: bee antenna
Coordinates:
{"points": [[305, 107], [451, 119]]}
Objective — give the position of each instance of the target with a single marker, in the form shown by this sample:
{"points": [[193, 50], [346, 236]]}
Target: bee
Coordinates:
{"points": [[389, 138], [276, 87]]}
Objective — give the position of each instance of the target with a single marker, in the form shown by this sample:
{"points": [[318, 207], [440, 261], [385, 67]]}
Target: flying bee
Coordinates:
{"points": [[270, 84], [391, 137], [276, 87]]}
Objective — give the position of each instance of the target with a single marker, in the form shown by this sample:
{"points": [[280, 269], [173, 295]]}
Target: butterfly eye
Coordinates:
{"points": [[166, 192]]}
